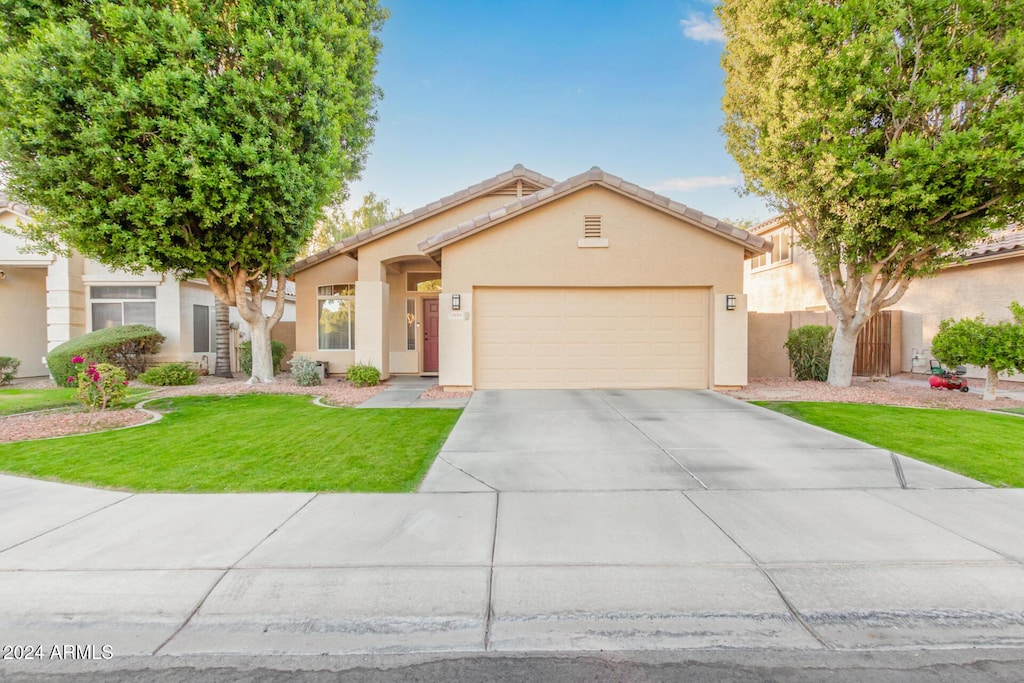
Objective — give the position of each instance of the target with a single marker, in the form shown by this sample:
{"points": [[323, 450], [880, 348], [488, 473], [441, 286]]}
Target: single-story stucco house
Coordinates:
{"points": [[47, 299], [985, 281], [520, 281]]}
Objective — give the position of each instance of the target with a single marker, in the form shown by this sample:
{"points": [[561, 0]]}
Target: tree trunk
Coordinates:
{"points": [[991, 384], [223, 326], [262, 352], [844, 349], [246, 291]]}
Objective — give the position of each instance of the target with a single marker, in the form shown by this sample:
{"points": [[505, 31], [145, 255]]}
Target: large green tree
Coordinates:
{"points": [[890, 133], [198, 138]]}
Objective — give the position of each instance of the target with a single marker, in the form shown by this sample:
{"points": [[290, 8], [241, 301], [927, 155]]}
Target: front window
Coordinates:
{"points": [[336, 317], [122, 305], [422, 282]]}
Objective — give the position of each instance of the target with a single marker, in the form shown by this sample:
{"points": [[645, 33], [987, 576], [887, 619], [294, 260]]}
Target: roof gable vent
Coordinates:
{"points": [[592, 226]]}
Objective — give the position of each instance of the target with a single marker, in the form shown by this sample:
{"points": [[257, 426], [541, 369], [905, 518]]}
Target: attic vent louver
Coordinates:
{"points": [[592, 226]]}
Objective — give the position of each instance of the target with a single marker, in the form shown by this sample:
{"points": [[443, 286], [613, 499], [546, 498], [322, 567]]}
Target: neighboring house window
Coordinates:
{"points": [[782, 243], [410, 324], [200, 329], [122, 305], [336, 317]]}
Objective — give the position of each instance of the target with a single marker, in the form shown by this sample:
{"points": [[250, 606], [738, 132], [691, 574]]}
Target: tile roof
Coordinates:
{"points": [[1002, 242], [14, 207], [998, 243], [595, 176], [483, 187]]}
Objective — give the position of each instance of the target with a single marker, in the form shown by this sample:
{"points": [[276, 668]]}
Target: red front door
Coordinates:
{"points": [[430, 314]]}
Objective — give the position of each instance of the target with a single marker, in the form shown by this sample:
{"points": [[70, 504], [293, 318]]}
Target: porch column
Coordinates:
{"points": [[372, 325], [65, 300]]}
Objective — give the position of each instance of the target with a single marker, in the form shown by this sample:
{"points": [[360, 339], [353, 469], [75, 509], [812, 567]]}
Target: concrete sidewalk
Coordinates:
{"points": [[721, 550]]}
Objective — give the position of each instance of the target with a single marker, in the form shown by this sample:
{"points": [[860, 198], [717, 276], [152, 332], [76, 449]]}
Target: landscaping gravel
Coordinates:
{"points": [[903, 390]]}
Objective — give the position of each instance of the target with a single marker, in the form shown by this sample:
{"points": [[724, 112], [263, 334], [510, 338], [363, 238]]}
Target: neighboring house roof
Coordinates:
{"points": [[1006, 242], [595, 176], [531, 182], [998, 244], [6, 204]]}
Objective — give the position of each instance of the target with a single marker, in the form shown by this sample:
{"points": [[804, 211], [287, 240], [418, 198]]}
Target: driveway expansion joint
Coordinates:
{"points": [[648, 437]]}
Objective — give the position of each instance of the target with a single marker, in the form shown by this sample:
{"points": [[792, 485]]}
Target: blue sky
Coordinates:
{"points": [[472, 88]]}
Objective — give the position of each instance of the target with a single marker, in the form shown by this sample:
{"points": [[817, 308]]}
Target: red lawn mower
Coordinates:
{"points": [[943, 378]]}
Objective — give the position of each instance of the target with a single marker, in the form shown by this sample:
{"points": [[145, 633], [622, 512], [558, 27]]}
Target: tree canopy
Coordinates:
{"points": [[336, 223], [891, 134], [199, 138], [998, 347]]}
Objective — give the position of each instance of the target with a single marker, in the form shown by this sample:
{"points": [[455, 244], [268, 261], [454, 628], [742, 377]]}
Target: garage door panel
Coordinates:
{"points": [[591, 337]]}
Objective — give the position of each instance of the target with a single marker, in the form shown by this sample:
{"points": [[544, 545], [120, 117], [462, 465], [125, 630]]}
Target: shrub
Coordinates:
{"points": [[170, 375], [8, 369], [363, 375], [99, 385], [810, 348], [277, 351], [129, 347], [304, 372]]}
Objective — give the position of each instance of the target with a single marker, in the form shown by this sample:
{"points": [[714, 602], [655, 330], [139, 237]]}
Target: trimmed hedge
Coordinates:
{"points": [[170, 375], [810, 349], [129, 347], [277, 351]]}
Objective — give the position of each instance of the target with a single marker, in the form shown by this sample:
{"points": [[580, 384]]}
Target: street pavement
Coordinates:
{"points": [[551, 522]]}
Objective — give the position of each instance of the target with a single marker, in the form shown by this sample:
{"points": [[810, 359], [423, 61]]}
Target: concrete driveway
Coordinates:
{"points": [[656, 440], [554, 521]]}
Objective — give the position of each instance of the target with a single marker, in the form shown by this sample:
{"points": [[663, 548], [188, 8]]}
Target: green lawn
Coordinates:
{"points": [[983, 446], [14, 401], [250, 442]]}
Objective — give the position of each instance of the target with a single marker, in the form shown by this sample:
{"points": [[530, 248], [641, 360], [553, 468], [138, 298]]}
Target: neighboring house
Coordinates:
{"points": [[985, 282], [520, 281], [47, 299]]}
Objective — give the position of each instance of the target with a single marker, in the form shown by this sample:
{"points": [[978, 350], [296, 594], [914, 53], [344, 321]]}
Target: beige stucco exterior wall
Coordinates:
{"points": [[646, 247], [22, 301], [379, 276], [336, 271], [958, 292], [788, 286], [23, 312]]}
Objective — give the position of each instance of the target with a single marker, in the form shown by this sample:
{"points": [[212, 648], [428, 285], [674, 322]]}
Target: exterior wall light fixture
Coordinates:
{"points": [[456, 302], [730, 302]]}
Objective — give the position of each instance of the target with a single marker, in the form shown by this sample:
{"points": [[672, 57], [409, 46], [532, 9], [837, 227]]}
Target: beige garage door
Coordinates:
{"points": [[579, 338]]}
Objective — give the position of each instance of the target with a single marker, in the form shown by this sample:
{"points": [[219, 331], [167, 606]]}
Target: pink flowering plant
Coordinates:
{"points": [[99, 386]]}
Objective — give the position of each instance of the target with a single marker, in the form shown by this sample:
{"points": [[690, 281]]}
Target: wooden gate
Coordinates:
{"points": [[878, 346]]}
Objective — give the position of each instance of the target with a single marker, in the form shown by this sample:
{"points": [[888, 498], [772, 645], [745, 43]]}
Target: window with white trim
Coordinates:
{"points": [[782, 248], [116, 305], [336, 317]]}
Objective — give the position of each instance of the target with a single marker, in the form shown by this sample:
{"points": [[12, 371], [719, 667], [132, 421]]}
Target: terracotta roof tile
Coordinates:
{"points": [[998, 242], [7, 204]]}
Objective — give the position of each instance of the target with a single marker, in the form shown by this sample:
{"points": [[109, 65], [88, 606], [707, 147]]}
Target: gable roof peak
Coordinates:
{"points": [[595, 176], [401, 222]]}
